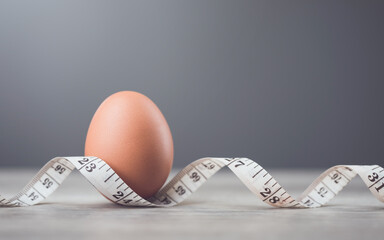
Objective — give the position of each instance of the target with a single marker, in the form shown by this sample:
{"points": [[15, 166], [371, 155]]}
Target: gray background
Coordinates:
{"points": [[286, 83]]}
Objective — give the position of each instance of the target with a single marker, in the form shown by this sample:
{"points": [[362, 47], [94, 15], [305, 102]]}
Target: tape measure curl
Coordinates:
{"points": [[189, 179]]}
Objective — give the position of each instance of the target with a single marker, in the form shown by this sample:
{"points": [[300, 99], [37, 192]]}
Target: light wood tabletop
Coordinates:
{"points": [[222, 208]]}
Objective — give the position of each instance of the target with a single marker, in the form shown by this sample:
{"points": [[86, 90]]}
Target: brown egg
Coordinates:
{"points": [[129, 133]]}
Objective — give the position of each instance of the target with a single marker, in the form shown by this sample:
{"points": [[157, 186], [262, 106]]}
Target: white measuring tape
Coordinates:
{"points": [[188, 180]]}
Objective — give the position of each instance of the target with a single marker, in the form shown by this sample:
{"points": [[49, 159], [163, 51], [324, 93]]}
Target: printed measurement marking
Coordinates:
{"points": [[214, 161], [170, 197], [234, 160], [88, 162], [343, 175], [169, 192], [313, 200], [258, 173], [375, 168], [328, 187], [268, 181], [23, 201], [109, 177], [272, 194], [124, 196], [64, 161], [62, 165], [184, 185], [200, 173], [286, 198], [52, 178], [102, 166], [250, 163], [38, 192], [376, 182]]}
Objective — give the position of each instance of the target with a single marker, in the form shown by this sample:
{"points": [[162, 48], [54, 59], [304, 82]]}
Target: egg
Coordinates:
{"points": [[129, 132]]}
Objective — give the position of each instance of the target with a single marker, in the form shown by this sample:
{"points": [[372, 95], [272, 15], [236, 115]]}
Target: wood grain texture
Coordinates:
{"points": [[222, 208]]}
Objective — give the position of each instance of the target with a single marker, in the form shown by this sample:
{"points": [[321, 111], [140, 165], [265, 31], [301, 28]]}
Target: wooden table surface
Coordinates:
{"points": [[222, 208]]}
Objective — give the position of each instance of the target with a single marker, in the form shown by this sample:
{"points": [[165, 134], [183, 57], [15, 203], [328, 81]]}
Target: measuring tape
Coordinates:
{"points": [[189, 179]]}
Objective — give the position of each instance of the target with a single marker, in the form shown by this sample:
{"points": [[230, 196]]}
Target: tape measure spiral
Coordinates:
{"points": [[189, 179]]}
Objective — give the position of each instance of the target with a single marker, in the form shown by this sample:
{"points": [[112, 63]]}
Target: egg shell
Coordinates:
{"points": [[129, 132]]}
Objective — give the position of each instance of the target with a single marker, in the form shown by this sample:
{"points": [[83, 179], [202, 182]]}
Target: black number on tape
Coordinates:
{"points": [[308, 203], [266, 193], [118, 195], [336, 178], [373, 177], [33, 196], [275, 199], [195, 177], [209, 165], [322, 191], [47, 183], [83, 161], [239, 163], [180, 190], [59, 169], [90, 167]]}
